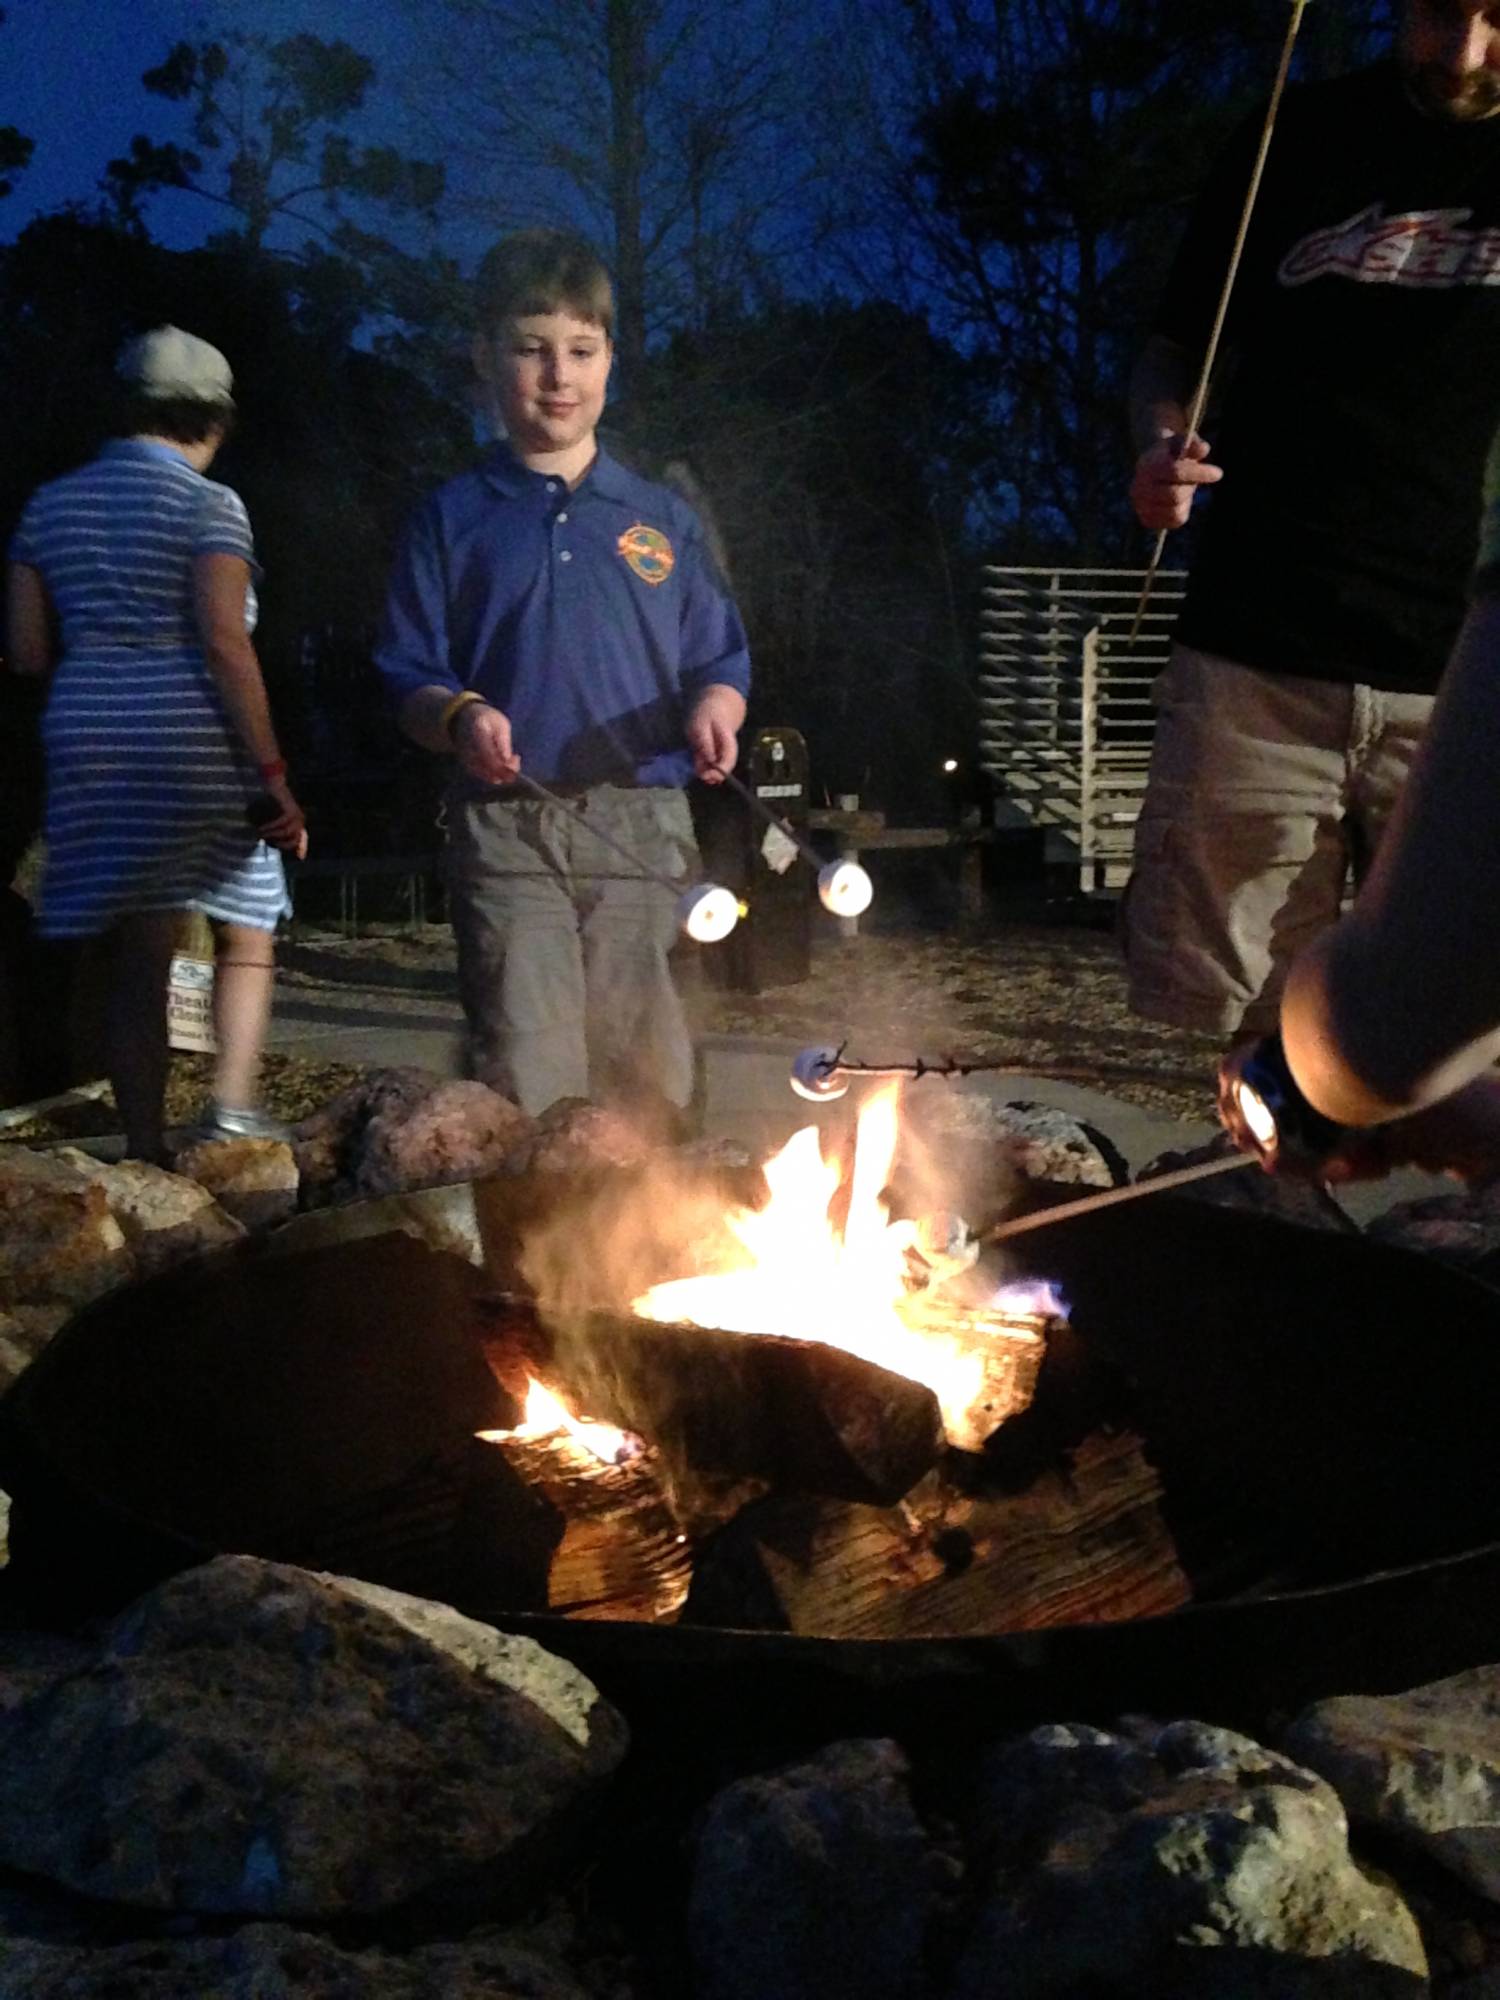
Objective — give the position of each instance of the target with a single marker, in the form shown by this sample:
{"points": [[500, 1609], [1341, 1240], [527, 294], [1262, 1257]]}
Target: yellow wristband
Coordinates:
{"points": [[461, 700]]}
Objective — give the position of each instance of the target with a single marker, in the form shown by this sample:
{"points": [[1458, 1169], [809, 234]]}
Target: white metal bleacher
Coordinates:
{"points": [[1065, 702]]}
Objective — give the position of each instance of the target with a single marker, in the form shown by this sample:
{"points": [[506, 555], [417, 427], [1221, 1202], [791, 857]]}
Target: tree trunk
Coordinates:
{"points": [[626, 24]]}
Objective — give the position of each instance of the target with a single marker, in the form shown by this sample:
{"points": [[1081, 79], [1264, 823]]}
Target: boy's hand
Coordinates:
{"points": [[1167, 479], [481, 738], [712, 732]]}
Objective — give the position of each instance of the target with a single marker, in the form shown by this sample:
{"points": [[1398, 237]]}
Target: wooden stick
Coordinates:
{"points": [[1200, 396], [1111, 1197]]}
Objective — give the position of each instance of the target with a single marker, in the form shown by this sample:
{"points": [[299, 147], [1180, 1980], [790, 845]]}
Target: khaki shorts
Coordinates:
{"points": [[1266, 796], [563, 946]]}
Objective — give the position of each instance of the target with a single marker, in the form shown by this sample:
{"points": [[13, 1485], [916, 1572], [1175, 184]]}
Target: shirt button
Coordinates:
{"points": [[566, 555], [560, 519], [551, 485]]}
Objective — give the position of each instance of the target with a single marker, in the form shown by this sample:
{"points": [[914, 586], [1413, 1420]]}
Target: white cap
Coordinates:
{"points": [[170, 363]]}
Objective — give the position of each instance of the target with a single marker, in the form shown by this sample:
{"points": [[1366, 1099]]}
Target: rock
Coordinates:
{"points": [[253, 1180], [457, 1132], [165, 1216], [271, 1962], [1189, 1861], [1421, 1767], [59, 1244], [327, 1143], [1304, 1202], [815, 1882], [572, 1136], [24, 1332], [973, 1154], [253, 1740]]}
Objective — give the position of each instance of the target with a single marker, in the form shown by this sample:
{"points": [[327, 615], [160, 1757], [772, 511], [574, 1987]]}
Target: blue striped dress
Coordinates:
{"points": [[147, 780]]}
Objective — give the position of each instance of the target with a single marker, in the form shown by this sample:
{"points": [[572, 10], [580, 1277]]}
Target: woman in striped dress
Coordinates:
{"points": [[130, 582]]}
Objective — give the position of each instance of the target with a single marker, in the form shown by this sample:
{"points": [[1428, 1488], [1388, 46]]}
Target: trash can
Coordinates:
{"points": [[772, 945]]}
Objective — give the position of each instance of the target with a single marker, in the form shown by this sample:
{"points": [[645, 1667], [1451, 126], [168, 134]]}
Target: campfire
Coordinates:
{"points": [[835, 1375]]}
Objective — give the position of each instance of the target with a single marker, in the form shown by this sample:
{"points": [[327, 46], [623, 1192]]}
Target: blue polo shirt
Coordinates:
{"points": [[592, 617]]}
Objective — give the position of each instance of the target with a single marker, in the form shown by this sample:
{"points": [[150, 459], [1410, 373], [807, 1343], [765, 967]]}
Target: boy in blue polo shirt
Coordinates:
{"points": [[551, 611]]}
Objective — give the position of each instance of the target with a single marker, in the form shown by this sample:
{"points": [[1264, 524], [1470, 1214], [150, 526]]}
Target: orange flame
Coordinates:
{"points": [[803, 1280], [544, 1414]]}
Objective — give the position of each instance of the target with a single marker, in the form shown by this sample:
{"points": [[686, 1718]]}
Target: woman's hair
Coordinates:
{"points": [[183, 419], [543, 271]]}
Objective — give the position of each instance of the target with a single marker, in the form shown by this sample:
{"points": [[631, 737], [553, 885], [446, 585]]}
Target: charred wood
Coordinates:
{"points": [[623, 1553], [1085, 1543], [804, 1417]]}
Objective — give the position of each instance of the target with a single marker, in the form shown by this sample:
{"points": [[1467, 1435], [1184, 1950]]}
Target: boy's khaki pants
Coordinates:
{"points": [[562, 948]]}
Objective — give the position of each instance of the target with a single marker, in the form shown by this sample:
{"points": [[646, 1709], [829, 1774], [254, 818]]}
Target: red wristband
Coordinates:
{"points": [[274, 770]]}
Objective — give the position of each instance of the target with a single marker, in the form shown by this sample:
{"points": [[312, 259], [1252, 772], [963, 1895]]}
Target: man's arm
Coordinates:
{"points": [[1398, 1006], [1171, 466], [1161, 386]]}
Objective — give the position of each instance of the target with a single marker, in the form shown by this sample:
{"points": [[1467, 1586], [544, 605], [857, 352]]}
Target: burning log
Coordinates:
{"points": [[804, 1417], [622, 1553], [1085, 1543]]}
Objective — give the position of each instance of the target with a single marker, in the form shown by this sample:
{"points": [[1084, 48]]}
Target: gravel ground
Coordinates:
{"points": [[1042, 994]]}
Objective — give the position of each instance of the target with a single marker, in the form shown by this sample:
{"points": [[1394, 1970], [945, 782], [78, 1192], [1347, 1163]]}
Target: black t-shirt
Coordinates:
{"points": [[1362, 384]]}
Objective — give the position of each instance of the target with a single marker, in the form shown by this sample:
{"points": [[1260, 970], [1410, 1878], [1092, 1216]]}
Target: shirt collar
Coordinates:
{"points": [[144, 448], [606, 477]]}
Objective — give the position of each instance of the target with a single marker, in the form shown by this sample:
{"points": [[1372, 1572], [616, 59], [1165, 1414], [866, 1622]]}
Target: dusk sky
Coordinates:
{"points": [[70, 75]]}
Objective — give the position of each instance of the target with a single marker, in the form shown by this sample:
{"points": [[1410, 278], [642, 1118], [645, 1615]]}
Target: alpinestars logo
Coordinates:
{"points": [[1427, 248]]}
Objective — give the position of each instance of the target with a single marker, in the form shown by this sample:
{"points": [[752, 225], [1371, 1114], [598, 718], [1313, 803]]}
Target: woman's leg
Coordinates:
{"points": [[244, 974], [133, 962]]}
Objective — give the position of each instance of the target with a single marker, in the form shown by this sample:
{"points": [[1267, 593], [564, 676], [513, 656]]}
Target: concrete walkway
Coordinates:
{"points": [[745, 1093]]}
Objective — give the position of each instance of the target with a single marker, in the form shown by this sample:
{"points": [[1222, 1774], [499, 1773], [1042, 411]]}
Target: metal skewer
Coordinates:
{"points": [[843, 886], [706, 912], [757, 804], [1111, 1197]]}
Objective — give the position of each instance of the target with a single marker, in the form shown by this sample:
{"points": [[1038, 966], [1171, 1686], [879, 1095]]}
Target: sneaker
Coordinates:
{"points": [[231, 1121]]}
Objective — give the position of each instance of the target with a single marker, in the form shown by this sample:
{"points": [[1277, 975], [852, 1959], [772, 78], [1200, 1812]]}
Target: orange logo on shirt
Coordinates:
{"points": [[648, 552]]}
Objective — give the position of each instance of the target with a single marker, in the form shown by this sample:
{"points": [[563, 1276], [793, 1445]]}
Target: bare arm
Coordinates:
{"points": [[1161, 387], [28, 621], [1398, 1006], [1171, 466], [220, 583]]}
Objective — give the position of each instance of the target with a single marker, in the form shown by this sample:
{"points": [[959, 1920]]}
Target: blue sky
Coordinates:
{"points": [[70, 77]]}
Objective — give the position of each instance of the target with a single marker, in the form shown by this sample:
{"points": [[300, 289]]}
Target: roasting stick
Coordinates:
{"points": [[707, 913], [1200, 396], [551, 799], [757, 804], [1111, 1197], [843, 886]]}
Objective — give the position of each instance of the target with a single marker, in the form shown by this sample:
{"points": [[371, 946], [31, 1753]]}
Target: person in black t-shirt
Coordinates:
{"points": [[1361, 391]]}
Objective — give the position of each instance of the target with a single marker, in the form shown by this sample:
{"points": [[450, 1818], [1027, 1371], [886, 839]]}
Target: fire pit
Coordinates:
{"points": [[1293, 1429]]}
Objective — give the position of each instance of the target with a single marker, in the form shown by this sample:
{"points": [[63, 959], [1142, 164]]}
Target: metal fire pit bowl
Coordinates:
{"points": [[1331, 1400]]}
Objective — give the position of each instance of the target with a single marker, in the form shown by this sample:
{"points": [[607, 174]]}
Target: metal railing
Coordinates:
{"points": [[1065, 702]]}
